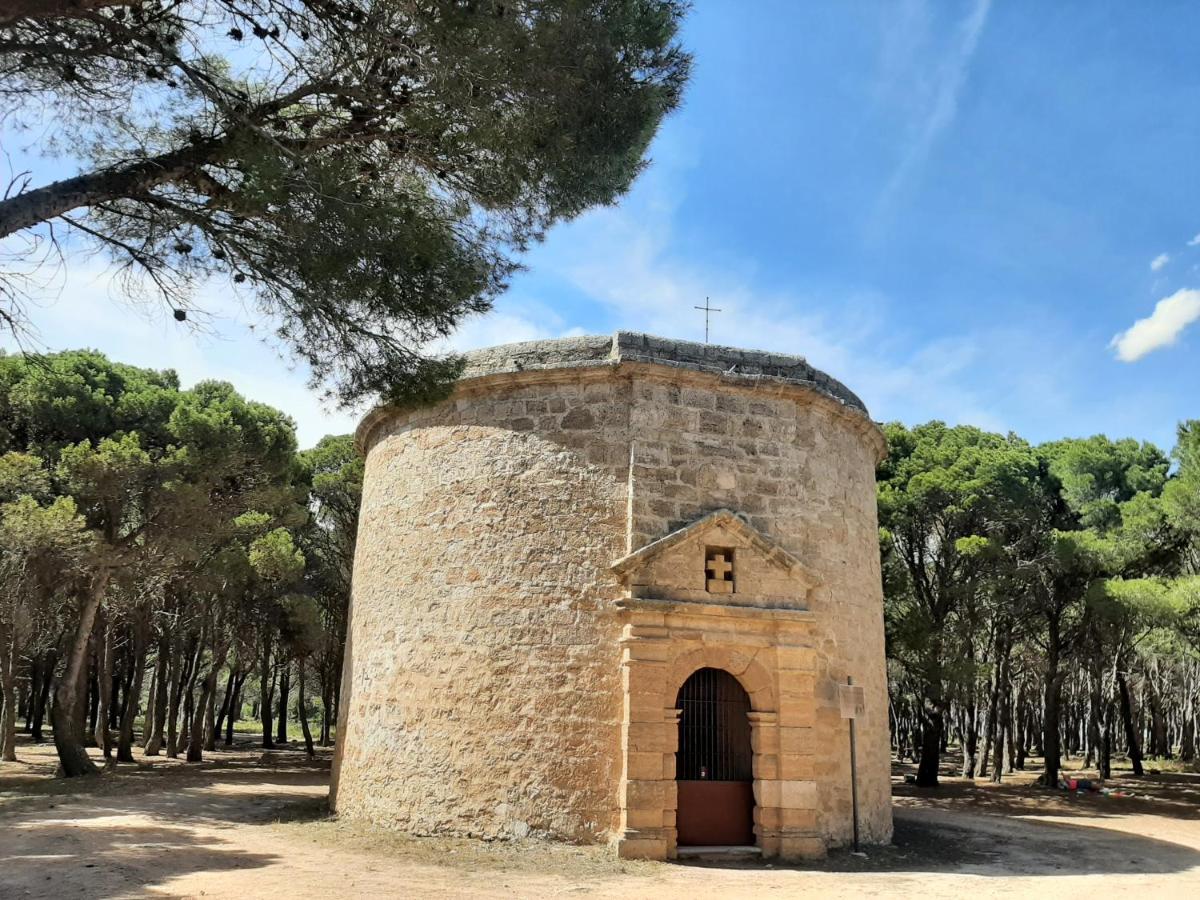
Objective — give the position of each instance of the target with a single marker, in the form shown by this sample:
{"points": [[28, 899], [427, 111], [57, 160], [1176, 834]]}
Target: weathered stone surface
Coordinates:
{"points": [[503, 677]]}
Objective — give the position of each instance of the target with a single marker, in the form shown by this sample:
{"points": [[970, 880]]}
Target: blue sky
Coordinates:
{"points": [[953, 207]]}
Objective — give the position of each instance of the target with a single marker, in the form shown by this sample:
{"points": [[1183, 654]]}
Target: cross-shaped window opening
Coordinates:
{"points": [[718, 570]]}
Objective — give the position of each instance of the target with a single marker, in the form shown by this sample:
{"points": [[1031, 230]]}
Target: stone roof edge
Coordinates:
{"points": [[634, 346], [625, 347], [768, 546]]}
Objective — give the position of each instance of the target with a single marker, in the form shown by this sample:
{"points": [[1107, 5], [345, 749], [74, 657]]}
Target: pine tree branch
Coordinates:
{"points": [[12, 10], [60, 197]]}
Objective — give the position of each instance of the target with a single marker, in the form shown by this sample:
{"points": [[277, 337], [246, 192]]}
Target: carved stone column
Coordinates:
{"points": [[764, 741], [795, 796], [648, 737]]}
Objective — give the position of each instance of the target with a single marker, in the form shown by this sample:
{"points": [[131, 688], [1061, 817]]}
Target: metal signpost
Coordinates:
{"points": [[853, 703]]}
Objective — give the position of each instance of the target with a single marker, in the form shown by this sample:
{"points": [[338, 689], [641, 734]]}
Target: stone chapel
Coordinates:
{"points": [[612, 590]]}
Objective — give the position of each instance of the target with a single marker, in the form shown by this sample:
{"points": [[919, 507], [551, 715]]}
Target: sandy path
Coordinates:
{"points": [[240, 828]]}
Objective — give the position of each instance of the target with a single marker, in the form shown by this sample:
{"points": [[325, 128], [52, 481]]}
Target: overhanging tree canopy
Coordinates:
{"points": [[365, 169]]}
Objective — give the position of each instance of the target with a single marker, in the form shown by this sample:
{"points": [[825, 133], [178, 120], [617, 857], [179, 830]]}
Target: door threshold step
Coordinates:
{"points": [[719, 852]]}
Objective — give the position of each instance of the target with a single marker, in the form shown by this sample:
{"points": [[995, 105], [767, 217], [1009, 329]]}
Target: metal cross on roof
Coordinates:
{"points": [[707, 309]]}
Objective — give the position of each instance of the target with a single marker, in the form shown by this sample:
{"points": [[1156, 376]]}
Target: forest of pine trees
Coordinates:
{"points": [[168, 563], [1040, 600]]}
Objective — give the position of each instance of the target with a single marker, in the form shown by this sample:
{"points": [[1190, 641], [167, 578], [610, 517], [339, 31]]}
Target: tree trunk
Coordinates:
{"points": [[132, 696], [93, 694], [23, 694], [41, 700], [175, 699], [68, 731], [189, 694], [1104, 760], [326, 712], [151, 703], [1131, 737], [102, 641], [969, 738], [285, 685], [991, 717], [931, 745], [182, 664], [1160, 744], [1050, 725], [35, 685], [302, 708], [266, 695], [1187, 728], [130, 673], [226, 700], [8, 693], [156, 711], [1001, 706], [117, 690], [1012, 716], [208, 690], [235, 710], [1095, 723], [210, 723]]}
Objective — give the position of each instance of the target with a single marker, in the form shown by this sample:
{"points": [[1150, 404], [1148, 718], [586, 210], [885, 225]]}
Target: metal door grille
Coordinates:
{"points": [[714, 730]]}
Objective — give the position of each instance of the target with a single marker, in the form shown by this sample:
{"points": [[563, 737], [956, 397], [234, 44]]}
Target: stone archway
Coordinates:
{"points": [[751, 674], [654, 669], [757, 681]]}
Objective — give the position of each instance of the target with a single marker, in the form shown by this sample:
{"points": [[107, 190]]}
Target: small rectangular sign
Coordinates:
{"points": [[853, 700]]}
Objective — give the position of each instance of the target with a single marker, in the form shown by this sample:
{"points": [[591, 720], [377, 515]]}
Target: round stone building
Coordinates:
{"points": [[613, 590]]}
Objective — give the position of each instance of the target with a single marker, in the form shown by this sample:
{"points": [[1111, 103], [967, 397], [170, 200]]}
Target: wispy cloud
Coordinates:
{"points": [[1161, 328], [1159, 262], [946, 84], [629, 262], [1194, 242]]}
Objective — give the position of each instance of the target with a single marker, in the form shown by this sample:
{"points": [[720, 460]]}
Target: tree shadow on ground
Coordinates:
{"points": [[937, 841], [1174, 795], [146, 823], [33, 778], [102, 852]]}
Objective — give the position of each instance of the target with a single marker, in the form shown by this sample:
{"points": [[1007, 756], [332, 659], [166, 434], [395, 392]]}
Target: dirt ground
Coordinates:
{"points": [[249, 824]]}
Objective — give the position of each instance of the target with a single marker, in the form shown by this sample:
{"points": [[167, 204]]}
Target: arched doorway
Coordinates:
{"points": [[714, 762]]}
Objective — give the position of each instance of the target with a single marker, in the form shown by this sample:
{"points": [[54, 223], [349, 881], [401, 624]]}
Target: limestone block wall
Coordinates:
{"points": [[803, 472], [484, 691], [482, 682]]}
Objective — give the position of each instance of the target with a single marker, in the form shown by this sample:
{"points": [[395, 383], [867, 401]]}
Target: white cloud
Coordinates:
{"points": [[1161, 328], [1194, 242], [905, 54], [1159, 262]]}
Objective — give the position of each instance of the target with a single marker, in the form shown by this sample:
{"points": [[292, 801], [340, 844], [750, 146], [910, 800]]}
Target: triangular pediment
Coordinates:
{"points": [[675, 565]]}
